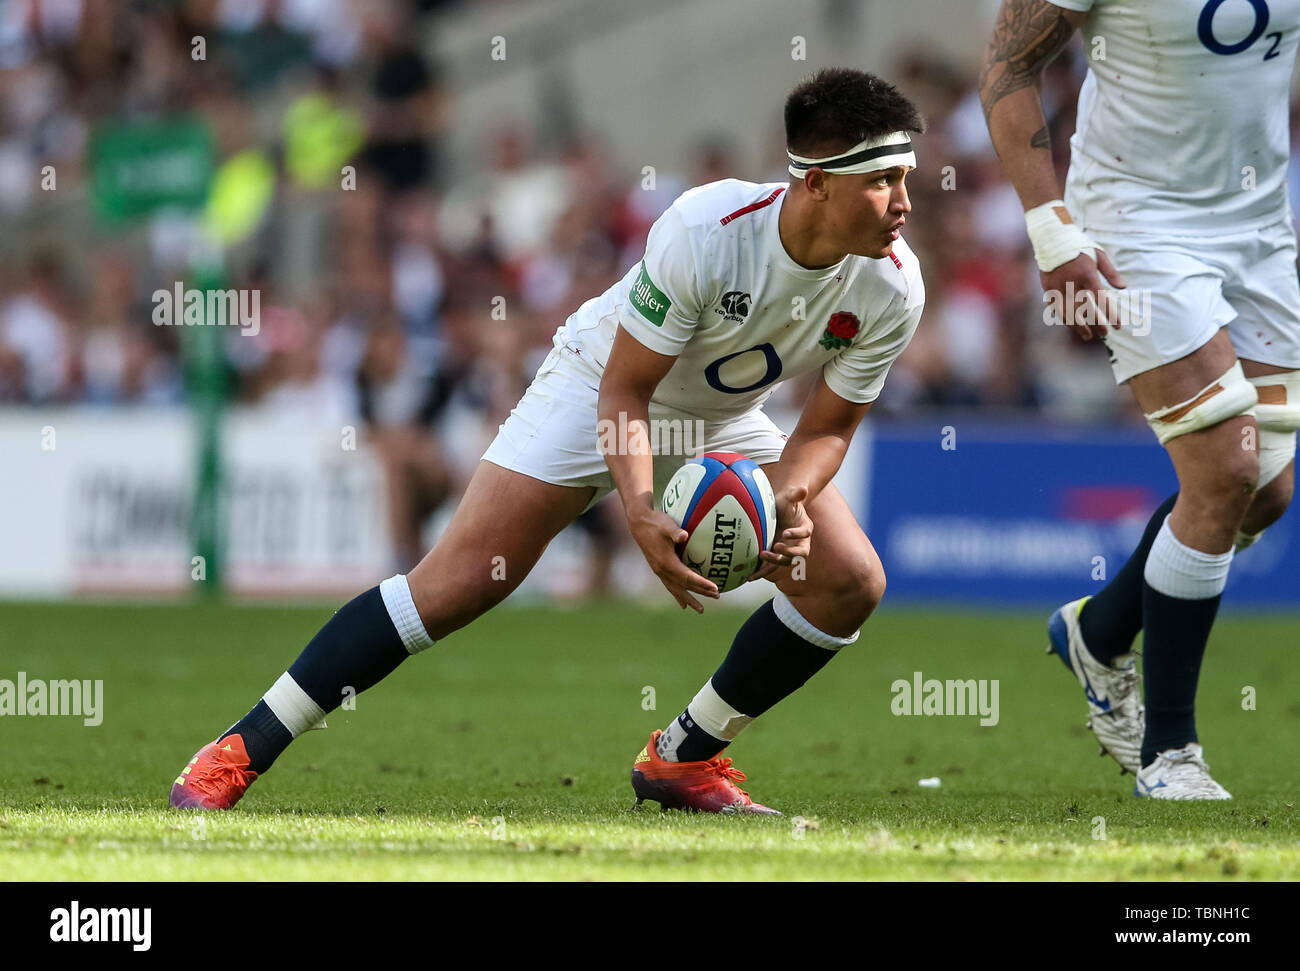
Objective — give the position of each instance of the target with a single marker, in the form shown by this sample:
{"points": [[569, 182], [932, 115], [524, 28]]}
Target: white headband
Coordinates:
{"points": [[872, 155]]}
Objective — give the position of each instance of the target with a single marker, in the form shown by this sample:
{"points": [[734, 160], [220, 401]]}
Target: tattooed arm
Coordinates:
{"points": [[1029, 33]]}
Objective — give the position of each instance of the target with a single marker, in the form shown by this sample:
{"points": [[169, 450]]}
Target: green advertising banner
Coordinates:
{"points": [[139, 167]]}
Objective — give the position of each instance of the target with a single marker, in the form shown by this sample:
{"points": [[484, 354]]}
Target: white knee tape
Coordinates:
{"points": [[1279, 401], [1229, 396], [1276, 450], [1245, 541]]}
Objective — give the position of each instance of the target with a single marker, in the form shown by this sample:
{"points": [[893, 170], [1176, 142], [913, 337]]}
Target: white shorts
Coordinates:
{"points": [[551, 434], [1246, 282]]}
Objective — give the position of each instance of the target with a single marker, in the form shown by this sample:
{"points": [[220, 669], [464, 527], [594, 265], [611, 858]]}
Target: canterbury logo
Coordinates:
{"points": [[735, 303]]}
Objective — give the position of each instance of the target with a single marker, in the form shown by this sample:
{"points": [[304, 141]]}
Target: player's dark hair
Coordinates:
{"points": [[834, 109]]}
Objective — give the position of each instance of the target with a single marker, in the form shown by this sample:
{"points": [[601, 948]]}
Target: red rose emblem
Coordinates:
{"points": [[843, 325]]}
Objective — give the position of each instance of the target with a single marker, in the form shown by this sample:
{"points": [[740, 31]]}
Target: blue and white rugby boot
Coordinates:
{"points": [[1116, 714], [1179, 773]]}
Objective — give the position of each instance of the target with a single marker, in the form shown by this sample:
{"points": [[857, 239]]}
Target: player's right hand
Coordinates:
{"points": [[1094, 307], [795, 538], [658, 536]]}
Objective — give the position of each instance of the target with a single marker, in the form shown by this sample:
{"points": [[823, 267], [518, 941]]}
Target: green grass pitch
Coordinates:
{"points": [[504, 754]]}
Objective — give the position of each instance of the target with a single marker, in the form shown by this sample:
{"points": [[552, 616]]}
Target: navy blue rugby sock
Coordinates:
{"points": [[768, 661], [357, 648], [1179, 602], [1111, 619]]}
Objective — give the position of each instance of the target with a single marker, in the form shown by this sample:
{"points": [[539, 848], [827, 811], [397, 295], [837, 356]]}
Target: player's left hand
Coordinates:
{"points": [[794, 533]]}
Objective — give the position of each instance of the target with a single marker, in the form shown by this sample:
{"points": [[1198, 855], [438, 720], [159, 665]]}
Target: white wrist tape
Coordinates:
{"points": [[1055, 237]]}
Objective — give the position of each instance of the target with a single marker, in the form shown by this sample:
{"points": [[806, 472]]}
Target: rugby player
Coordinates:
{"points": [[742, 286], [1177, 190]]}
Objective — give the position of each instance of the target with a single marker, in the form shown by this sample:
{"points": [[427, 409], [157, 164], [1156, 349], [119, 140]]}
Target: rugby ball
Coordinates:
{"points": [[725, 503]]}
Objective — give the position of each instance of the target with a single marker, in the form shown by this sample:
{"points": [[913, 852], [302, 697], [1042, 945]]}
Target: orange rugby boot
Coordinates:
{"points": [[216, 777], [708, 787]]}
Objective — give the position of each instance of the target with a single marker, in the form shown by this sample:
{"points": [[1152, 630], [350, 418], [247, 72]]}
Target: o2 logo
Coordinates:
{"points": [[1205, 29], [772, 372]]}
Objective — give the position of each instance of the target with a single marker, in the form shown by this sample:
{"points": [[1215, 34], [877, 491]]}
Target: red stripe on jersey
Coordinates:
{"points": [[897, 262], [750, 208]]}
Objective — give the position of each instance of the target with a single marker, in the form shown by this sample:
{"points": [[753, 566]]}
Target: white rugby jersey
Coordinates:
{"points": [[718, 290], [1185, 107]]}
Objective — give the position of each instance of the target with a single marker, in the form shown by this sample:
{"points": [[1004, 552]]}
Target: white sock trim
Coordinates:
{"points": [[293, 706], [401, 608], [715, 716], [1179, 571], [796, 621]]}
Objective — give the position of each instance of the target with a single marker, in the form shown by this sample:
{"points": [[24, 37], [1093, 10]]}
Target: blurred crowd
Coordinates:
{"points": [[413, 302]]}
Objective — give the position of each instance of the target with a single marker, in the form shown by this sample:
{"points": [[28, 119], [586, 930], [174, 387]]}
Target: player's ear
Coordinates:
{"points": [[817, 183]]}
